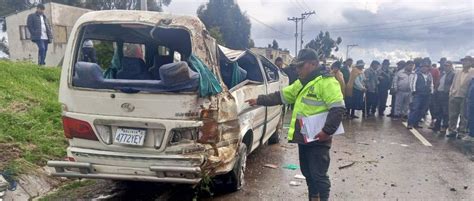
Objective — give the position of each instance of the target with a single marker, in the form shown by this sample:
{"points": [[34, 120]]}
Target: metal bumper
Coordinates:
{"points": [[182, 175]]}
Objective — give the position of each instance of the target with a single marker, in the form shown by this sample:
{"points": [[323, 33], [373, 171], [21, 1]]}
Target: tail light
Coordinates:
{"points": [[74, 128]]}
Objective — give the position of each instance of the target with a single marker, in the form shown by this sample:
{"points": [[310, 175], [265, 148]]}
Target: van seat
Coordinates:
{"points": [[133, 69]]}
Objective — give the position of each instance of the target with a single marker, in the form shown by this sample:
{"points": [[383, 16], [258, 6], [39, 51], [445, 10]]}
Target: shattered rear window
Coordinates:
{"points": [[133, 58]]}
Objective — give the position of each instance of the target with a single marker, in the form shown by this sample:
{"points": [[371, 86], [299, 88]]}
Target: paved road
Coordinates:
{"points": [[390, 163]]}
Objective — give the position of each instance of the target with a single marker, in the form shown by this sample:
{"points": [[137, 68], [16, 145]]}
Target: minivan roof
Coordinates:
{"points": [[148, 17]]}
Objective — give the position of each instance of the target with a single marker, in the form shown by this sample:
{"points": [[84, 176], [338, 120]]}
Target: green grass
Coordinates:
{"points": [[30, 115], [72, 189]]}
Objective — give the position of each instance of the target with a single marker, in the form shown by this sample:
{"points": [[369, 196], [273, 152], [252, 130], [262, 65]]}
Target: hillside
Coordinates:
{"points": [[30, 115]]}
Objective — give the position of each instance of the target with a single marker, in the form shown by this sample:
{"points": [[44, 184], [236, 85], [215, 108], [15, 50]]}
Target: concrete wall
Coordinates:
{"points": [[61, 19]]}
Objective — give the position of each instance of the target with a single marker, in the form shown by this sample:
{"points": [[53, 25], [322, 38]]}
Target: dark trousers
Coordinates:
{"points": [[392, 109], [418, 107], [42, 50], [434, 107], [442, 102], [471, 117], [383, 96], [314, 162], [371, 102]]}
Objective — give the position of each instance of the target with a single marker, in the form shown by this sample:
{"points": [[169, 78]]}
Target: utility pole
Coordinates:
{"points": [[348, 47], [296, 20], [304, 16], [143, 5]]}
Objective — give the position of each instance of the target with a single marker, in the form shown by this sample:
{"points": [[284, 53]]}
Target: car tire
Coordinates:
{"points": [[275, 138], [238, 172]]}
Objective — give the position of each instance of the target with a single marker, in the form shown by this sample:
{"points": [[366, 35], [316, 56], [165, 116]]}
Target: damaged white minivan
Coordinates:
{"points": [[148, 96]]}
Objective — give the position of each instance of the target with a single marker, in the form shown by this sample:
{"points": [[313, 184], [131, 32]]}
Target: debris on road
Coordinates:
{"points": [[347, 165], [393, 185], [298, 176], [295, 183], [291, 166], [404, 145], [452, 189], [465, 187], [272, 166], [363, 143]]}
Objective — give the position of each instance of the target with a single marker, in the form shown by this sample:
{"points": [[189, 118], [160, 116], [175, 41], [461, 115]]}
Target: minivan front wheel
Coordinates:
{"points": [[238, 172]]}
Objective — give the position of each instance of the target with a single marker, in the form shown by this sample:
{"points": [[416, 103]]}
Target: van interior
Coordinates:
{"points": [[134, 58]]}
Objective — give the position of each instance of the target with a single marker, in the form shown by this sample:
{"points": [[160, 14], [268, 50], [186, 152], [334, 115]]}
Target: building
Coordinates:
{"points": [[271, 54], [61, 18]]}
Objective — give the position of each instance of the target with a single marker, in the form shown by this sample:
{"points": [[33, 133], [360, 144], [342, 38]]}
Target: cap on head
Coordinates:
{"points": [[443, 60], [386, 62], [426, 62], [360, 64], [467, 58], [374, 63], [401, 63], [306, 54], [410, 62], [40, 6], [336, 64]]}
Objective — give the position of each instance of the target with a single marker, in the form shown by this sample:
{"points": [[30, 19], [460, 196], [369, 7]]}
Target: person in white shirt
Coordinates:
{"points": [[40, 32]]}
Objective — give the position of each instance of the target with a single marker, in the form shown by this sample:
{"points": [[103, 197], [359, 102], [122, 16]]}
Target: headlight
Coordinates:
{"points": [[183, 135]]}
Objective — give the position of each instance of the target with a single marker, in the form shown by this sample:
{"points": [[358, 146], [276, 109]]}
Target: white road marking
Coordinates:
{"points": [[419, 136]]}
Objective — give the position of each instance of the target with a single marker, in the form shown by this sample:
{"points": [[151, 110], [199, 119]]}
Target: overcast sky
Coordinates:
{"points": [[394, 29]]}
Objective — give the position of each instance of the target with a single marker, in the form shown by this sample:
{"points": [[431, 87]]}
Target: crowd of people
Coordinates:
{"points": [[418, 87]]}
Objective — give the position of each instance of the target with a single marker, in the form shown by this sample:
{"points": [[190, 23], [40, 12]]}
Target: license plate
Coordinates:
{"points": [[130, 136]]}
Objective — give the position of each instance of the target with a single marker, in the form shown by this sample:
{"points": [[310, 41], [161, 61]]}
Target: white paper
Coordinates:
{"points": [[312, 125]]}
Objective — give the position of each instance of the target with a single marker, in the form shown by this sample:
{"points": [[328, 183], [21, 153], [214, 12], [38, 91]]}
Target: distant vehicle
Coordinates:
{"points": [[140, 114]]}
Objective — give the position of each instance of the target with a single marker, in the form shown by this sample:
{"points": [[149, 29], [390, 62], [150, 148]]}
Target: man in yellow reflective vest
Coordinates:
{"points": [[315, 91]]}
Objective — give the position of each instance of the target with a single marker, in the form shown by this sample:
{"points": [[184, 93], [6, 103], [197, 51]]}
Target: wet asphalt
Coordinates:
{"points": [[376, 159]]}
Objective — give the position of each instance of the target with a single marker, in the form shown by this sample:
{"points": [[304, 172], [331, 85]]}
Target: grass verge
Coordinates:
{"points": [[30, 115]]}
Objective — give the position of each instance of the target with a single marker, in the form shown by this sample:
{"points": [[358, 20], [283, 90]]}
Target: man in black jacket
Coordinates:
{"points": [[385, 83], [445, 83], [40, 32], [316, 91]]}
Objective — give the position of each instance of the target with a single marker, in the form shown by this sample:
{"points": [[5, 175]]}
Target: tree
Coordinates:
{"points": [[324, 44], [216, 34], [228, 18], [275, 44]]}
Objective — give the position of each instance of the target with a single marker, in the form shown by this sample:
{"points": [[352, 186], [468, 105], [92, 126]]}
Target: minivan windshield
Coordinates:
{"points": [[134, 58]]}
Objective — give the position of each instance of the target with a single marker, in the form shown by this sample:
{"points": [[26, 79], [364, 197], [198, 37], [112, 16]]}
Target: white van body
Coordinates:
{"points": [[176, 137]]}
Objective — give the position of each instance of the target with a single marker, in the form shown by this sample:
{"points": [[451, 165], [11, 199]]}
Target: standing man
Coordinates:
{"points": [[279, 63], [470, 116], [346, 73], [442, 98], [371, 82], [385, 83], [421, 86], [401, 87], [434, 107], [400, 66], [442, 64], [336, 72], [316, 91], [457, 99], [40, 31]]}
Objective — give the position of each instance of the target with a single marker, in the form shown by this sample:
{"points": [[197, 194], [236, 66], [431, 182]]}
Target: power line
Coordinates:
{"points": [[404, 21], [404, 26], [268, 26]]}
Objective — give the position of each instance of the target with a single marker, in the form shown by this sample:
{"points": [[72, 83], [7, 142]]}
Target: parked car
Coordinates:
{"points": [[164, 102]]}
